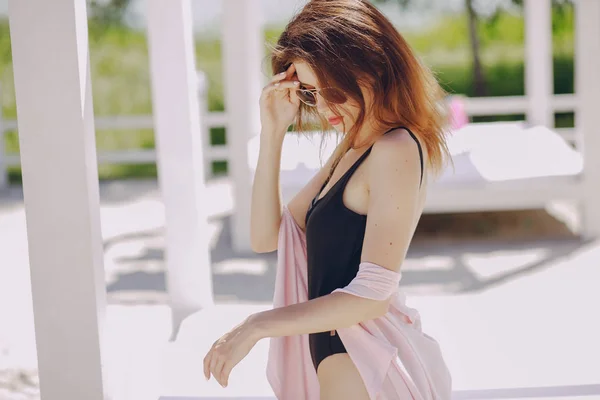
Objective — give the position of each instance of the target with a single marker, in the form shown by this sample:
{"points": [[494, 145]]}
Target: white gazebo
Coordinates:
{"points": [[59, 160]]}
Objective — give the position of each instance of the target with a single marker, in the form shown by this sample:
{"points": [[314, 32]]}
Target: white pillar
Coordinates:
{"points": [[202, 90], [587, 69], [3, 170], [60, 183], [539, 85], [243, 81], [179, 155]]}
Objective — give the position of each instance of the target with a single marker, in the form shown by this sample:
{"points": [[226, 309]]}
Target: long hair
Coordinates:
{"points": [[350, 43]]}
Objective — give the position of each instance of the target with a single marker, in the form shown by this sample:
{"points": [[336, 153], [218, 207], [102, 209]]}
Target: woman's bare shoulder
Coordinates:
{"points": [[393, 154]]}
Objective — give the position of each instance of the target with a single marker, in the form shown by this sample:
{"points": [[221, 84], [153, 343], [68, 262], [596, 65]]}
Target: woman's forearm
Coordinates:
{"points": [[265, 216], [334, 311]]}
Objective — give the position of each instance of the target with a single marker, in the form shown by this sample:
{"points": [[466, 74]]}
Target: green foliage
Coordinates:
{"points": [[5, 48], [121, 82], [504, 78], [108, 12]]}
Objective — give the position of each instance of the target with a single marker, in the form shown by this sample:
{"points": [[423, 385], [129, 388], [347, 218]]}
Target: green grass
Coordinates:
{"points": [[121, 80]]}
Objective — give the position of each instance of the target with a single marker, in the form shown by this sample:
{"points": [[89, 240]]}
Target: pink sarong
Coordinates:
{"points": [[395, 359]]}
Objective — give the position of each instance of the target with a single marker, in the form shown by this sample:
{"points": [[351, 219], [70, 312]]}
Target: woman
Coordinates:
{"points": [[344, 63]]}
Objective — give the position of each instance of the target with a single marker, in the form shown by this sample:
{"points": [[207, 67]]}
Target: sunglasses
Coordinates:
{"points": [[330, 95]]}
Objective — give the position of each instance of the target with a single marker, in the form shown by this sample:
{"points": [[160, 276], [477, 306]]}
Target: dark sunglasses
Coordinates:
{"points": [[330, 95]]}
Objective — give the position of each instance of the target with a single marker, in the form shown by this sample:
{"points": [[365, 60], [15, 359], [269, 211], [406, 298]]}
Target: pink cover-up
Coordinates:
{"points": [[395, 359]]}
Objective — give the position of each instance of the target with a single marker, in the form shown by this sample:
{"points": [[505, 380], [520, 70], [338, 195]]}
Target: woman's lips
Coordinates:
{"points": [[335, 120]]}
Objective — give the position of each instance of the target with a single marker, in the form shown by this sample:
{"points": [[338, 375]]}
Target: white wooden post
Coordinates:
{"points": [[60, 182], [539, 84], [202, 90], [587, 64], [3, 170], [179, 155], [243, 80]]}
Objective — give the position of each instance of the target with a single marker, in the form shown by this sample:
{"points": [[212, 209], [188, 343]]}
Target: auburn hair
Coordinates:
{"points": [[349, 44]]}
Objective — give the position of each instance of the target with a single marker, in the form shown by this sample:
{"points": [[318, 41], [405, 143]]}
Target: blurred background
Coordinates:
{"points": [[491, 282], [486, 62]]}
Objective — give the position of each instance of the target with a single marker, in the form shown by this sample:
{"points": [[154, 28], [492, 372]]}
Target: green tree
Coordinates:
{"points": [[108, 12], [474, 17]]}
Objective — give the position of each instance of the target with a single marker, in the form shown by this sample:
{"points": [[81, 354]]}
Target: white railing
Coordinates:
{"points": [[486, 106], [507, 105]]}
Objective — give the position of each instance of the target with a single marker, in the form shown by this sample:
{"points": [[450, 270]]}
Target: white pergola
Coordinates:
{"points": [[59, 161]]}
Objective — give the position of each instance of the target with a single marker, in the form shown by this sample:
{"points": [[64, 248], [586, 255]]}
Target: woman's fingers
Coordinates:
{"points": [[279, 77], [207, 361], [287, 74], [227, 368], [294, 97], [215, 364], [216, 371], [286, 85], [291, 71], [281, 86]]}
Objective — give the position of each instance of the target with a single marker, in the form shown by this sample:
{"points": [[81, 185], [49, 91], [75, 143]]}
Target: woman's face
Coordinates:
{"points": [[347, 112]]}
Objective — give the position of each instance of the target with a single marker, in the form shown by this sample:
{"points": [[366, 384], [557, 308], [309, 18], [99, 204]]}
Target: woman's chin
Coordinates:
{"points": [[339, 128]]}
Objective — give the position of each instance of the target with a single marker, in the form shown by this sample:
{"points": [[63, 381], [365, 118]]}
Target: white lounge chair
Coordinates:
{"points": [[497, 166]]}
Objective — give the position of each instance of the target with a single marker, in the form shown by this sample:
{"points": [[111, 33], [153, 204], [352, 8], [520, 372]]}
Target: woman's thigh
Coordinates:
{"points": [[339, 379]]}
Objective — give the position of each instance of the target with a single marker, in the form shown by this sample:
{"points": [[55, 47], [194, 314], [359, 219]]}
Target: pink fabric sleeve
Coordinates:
{"points": [[373, 282]]}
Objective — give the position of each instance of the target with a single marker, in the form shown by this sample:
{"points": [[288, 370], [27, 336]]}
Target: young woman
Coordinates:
{"points": [[341, 62]]}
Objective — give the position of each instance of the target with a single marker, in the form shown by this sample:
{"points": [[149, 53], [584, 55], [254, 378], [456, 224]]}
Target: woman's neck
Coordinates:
{"points": [[366, 135]]}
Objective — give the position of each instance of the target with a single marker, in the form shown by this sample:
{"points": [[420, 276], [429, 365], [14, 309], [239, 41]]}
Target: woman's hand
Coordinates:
{"points": [[279, 103], [229, 350]]}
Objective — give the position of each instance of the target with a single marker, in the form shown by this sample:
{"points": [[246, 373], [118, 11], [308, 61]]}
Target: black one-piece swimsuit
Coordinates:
{"points": [[334, 239]]}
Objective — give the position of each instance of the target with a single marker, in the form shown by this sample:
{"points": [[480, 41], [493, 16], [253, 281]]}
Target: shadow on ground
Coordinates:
{"points": [[237, 277], [111, 192], [460, 276], [432, 267], [451, 253]]}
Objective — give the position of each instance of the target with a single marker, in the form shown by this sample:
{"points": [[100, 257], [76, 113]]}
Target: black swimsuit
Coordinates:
{"points": [[334, 239]]}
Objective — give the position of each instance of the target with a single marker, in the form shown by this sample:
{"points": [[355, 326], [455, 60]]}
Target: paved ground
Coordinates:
{"points": [[516, 319]]}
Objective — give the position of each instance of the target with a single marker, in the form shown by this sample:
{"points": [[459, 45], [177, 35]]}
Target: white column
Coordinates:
{"points": [[539, 85], [202, 90], [3, 170], [243, 80], [179, 155], [587, 73], [60, 182]]}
